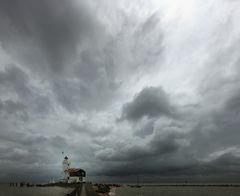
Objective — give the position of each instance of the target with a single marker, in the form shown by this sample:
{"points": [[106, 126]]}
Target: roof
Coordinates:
{"points": [[74, 169]]}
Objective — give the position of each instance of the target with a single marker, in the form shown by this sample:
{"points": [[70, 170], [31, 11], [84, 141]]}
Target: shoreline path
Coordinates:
{"points": [[83, 192]]}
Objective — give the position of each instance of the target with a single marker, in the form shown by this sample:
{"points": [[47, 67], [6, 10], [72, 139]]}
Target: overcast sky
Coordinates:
{"points": [[122, 87]]}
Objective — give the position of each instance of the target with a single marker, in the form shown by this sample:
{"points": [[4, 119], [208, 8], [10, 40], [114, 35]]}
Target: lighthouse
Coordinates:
{"points": [[72, 175], [65, 167]]}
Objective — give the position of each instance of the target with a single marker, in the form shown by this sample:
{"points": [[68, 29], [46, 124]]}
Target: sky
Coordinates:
{"points": [[123, 88]]}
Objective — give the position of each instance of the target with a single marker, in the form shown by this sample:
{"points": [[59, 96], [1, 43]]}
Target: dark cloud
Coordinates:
{"points": [[59, 41], [147, 50], [9, 107], [170, 160], [150, 102], [209, 150], [147, 129], [15, 82], [161, 145], [56, 27], [17, 154], [15, 79], [88, 130], [149, 24], [233, 103], [67, 69], [226, 164], [182, 164], [91, 96]]}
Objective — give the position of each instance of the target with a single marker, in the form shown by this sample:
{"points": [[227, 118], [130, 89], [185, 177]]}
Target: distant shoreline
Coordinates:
{"points": [[190, 185]]}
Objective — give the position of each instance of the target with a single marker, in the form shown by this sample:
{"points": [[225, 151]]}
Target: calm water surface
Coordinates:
{"points": [[178, 191], [33, 191]]}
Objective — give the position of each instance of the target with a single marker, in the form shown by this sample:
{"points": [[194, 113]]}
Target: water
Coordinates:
{"points": [[33, 191], [178, 191]]}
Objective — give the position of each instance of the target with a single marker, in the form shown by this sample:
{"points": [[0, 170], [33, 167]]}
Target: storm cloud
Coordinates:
{"points": [[123, 88], [150, 102]]}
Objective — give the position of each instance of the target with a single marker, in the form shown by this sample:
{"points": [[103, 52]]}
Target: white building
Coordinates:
{"points": [[72, 175]]}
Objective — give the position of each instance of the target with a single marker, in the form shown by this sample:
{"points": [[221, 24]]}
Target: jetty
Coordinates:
{"points": [[87, 189]]}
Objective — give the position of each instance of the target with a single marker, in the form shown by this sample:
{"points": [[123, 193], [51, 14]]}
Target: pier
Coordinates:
{"points": [[84, 189]]}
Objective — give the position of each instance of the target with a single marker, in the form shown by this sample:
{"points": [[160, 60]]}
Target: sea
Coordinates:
{"points": [[127, 191], [6, 190], [176, 191]]}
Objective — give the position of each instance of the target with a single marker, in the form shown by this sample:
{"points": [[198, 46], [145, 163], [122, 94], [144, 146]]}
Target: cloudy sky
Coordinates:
{"points": [[122, 87]]}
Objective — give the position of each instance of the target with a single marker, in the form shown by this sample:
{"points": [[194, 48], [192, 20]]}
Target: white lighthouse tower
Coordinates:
{"points": [[65, 167]]}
